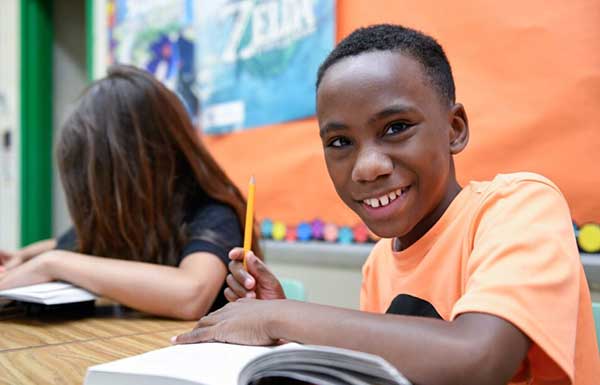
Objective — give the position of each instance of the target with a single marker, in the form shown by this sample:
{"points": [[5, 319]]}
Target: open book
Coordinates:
{"points": [[225, 364], [53, 293]]}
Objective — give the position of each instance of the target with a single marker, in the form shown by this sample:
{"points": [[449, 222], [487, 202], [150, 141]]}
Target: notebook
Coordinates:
{"points": [[53, 293], [228, 364]]}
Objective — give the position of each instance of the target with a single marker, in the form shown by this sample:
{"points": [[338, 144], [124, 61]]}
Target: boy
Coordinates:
{"points": [[480, 285]]}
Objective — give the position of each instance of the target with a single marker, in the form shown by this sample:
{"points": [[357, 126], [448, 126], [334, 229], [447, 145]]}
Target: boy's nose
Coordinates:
{"points": [[370, 165]]}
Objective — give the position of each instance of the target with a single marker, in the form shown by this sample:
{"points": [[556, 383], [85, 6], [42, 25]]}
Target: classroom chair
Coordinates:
{"points": [[596, 309], [293, 289]]}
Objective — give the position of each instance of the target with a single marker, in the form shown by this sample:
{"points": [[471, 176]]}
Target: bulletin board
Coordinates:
{"points": [[528, 74], [235, 65]]}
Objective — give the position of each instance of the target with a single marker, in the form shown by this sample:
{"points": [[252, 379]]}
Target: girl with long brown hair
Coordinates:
{"points": [[154, 215]]}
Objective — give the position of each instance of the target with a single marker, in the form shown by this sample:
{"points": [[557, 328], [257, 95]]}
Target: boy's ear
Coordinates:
{"points": [[459, 128]]}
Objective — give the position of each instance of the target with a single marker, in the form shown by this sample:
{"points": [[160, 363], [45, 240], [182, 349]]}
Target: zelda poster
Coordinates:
{"points": [[236, 64], [257, 60], [157, 35]]}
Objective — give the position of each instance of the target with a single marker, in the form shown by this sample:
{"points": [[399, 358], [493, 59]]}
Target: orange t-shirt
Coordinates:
{"points": [[506, 248]]}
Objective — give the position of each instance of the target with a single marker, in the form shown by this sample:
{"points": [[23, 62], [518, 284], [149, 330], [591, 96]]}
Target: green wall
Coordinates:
{"points": [[36, 120]]}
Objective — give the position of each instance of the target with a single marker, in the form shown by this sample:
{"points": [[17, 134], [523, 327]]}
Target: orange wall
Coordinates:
{"points": [[528, 73]]}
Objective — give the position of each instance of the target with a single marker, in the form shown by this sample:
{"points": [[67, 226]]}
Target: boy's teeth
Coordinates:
{"points": [[383, 200]]}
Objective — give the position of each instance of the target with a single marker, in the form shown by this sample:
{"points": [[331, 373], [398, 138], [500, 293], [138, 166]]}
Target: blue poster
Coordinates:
{"points": [[257, 60], [156, 35]]}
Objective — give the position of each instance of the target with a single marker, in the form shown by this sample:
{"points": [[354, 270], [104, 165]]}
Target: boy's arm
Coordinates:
{"points": [[184, 292], [475, 348]]}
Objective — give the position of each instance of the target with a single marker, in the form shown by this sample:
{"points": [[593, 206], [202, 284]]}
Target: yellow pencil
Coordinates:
{"points": [[249, 219]]}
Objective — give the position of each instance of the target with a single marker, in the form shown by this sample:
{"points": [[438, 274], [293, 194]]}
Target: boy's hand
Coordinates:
{"points": [[243, 322], [258, 282]]}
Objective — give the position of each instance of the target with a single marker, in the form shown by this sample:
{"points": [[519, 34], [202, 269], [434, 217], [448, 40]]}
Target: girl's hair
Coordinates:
{"points": [[133, 167]]}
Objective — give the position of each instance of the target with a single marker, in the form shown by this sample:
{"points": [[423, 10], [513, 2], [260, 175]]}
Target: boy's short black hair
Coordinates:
{"points": [[388, 37]]}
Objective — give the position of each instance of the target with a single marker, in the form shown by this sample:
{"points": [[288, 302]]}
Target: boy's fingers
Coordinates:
{"points": [[236, 254], [196, 335], [230, 295], [235, 286], [258, 269], [242, 276]]}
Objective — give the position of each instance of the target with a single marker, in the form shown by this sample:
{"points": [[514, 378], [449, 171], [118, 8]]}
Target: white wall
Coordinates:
{"points": [[100, 38], [331, 273], [9, 124], [69, 77]]}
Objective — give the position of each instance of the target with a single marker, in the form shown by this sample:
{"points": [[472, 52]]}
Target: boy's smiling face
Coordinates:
{"points": [[388, 138]]}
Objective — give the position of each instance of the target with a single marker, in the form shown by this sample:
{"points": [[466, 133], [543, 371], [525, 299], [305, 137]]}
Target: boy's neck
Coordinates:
{"points": [[404, 242]]}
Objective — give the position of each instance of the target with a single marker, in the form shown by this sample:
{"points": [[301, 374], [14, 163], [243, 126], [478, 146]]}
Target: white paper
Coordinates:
{"points": [[52, 293]]}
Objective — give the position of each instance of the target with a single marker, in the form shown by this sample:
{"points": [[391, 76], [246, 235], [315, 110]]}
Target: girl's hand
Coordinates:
{"points": [[29, 273], [245, 322], [11, 260], [6, 258], [258, 282]]}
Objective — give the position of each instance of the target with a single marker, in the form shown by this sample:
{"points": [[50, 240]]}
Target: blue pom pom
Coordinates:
{"points": [[266, 228], [345, 235], [304, 231]]}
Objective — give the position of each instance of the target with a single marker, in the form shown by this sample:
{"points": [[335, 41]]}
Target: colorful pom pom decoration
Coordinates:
{"points": [[290, 234], [330, 232], [587, 235], [304, 232], [318, 229], [361, 233], [345, 235], [266, 228], [589, 238], [278, 230]]}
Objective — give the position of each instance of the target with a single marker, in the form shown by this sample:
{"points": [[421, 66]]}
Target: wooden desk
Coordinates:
{"points": [[58, 350]]}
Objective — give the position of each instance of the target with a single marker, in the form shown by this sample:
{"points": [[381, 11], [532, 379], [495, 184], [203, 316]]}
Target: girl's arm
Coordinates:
{"points": [[184, 292]]}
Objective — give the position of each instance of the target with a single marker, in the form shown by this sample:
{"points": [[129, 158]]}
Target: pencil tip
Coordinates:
{"points": [[252, 180]]}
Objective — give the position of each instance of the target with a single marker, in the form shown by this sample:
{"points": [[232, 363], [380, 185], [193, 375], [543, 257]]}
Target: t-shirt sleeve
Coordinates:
{"points": [[214, 229], [524, 267], [67, 241], [365, 300], [369, 294]]}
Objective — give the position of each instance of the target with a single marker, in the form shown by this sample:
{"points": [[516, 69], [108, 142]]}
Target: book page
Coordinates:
{"points": [[206, 364], [347, 366]]}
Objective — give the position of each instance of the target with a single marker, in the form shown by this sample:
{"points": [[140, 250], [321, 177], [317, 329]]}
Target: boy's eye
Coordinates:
{"points": [[396, 128], [339, 142]]}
